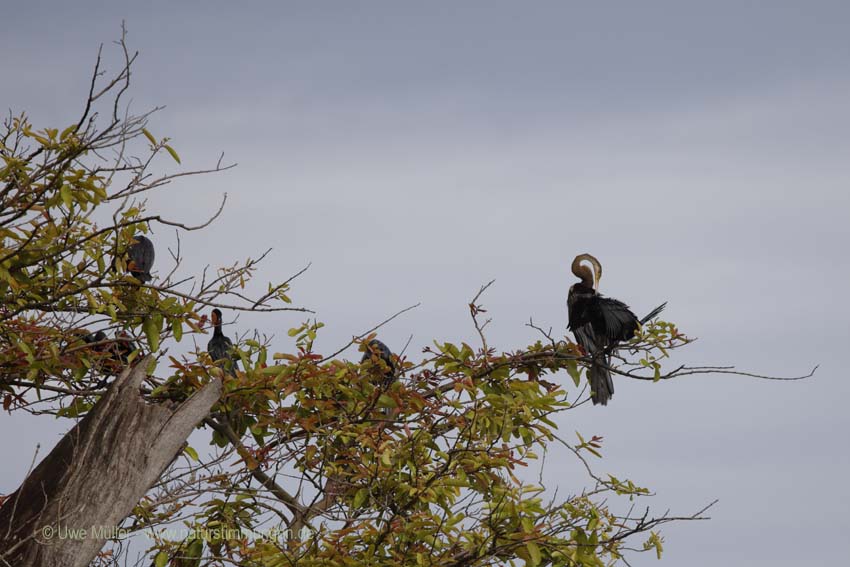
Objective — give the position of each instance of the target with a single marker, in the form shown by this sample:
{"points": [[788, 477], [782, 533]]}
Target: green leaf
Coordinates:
{"points": [[67, 131], [177, 328], [171, 151], [534, 554], [219, 440], [194, 553], [161, 559], [65, 193], [191, 452], [149, 136], [151, 330], [386, 401], [360, 497], [572, 370]]}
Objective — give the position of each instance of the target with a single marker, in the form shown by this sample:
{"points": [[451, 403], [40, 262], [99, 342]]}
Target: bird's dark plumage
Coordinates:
{"points": [[121, 347], [113, 353], [94, 338], [599, 324], [220, 348], [376, 350], [140, 257]]}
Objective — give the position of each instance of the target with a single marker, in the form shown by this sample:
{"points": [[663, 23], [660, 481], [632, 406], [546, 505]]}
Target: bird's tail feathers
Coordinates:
{"points": [[143, 277], [601, 384], [654, 313]]}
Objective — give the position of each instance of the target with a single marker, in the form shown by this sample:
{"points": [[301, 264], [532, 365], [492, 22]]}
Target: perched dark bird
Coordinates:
{"points": [[115, 353], [375, 351], [220, 347], [140, 257], [96, 339], [120, 348], [599, 324]]}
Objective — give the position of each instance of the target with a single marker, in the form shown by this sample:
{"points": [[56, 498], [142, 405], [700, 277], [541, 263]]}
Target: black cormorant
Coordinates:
{"points": [[220, 347], [599, 324], [96, 339], [375, 351], [115, 352], [140, 257], [121, 347]]}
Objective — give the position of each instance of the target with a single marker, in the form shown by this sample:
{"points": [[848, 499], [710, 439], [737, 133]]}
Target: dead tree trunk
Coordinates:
{"points": [[96, 474]]}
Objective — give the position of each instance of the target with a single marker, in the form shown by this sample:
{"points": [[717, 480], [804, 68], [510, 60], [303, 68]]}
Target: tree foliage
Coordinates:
{"points": [[313, 459]]}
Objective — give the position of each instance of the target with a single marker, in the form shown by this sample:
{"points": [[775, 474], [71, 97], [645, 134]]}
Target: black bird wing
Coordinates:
{"points": [[612, 319], [599, 321]]}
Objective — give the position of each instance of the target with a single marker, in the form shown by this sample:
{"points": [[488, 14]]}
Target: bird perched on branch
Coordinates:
{"points": [[377, 351], [140, 257], [220, 347], [599, 324], [98, 339], [115, 353]]}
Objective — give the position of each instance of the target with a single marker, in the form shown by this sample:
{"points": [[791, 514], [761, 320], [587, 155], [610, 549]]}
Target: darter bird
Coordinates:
{"points": [[599, 324]]}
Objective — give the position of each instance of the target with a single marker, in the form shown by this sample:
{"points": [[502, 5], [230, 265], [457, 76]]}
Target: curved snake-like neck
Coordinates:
{"points": [[582, 272]]}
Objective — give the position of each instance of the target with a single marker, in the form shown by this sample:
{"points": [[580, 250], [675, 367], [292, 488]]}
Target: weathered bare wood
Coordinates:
{"points": [[96, 474]]}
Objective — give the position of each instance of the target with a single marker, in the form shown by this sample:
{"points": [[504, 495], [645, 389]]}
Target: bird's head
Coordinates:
{"points": [[216, 317], [588, 277]]}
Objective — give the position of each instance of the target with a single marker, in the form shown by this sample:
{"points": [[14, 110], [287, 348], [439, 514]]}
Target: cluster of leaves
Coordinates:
{"points": [[421, 470]]}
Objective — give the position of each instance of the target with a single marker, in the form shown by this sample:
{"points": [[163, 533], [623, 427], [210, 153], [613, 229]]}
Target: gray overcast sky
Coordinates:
{"points": [[414, 152]]}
